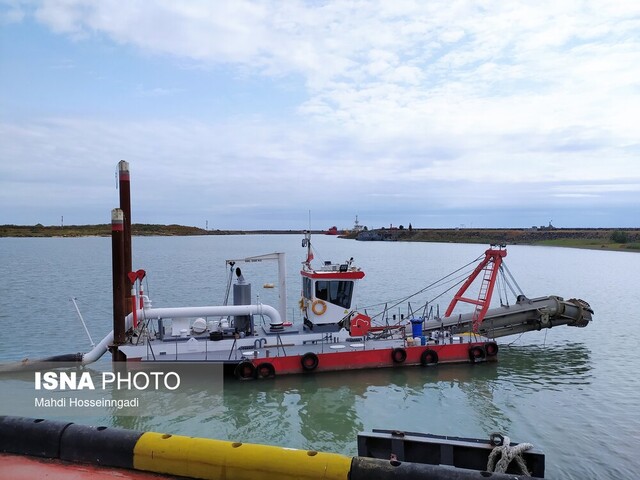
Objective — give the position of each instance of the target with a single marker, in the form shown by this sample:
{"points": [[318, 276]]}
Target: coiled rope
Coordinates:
{"points": [[508, 453]]}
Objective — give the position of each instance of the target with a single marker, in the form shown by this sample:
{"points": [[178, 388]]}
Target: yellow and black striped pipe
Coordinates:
{"points": [[202, 458], [189, 457], [214, 459]]}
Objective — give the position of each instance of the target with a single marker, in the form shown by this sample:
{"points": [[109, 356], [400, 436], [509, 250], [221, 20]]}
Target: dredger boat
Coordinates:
{"points": [[254, 340]]}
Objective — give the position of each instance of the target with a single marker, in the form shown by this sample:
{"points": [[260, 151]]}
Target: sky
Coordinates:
{"points": [[295, 114]]}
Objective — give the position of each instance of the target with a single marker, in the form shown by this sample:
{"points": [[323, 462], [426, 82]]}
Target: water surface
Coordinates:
{"points": [[571, 392]]}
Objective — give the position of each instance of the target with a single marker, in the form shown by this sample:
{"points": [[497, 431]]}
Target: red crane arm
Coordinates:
{"points": [[490, 265]]}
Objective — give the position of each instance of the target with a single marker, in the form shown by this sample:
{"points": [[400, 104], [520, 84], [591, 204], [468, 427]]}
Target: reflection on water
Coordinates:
{"points": [[536, 367], [326, 411]]}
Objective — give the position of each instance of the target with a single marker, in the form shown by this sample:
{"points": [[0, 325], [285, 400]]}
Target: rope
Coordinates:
{"points": [[512, 279], [508, 454], [397, 302]]}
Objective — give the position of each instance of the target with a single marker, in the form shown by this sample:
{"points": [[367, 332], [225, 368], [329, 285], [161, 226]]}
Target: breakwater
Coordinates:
{"points": [[615, 239]]}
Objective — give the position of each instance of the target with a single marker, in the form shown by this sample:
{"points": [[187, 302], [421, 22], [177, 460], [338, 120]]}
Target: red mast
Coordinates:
{"points": [[491, 265]]}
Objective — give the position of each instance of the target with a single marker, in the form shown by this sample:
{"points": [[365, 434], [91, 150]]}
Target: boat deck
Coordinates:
{"points": [[267, 353], [267, 344]]}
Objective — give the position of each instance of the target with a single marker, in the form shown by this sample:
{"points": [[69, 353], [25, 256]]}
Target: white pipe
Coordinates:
{"points": [[210, 311], [183, 312], [100, 349]]}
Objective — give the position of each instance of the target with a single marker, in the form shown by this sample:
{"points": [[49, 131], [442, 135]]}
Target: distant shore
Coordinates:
{"points": [[627, 239], [621, 239], [137, 229]]}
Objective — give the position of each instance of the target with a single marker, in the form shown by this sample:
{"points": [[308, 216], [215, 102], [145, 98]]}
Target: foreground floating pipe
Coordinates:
{"points": [[205, 458]]}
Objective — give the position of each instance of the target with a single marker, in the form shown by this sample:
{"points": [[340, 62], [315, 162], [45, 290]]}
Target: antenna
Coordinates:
{"points": [[73, 299]]}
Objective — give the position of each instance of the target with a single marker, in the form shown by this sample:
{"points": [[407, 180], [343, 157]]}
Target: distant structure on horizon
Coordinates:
{"points": [[356, 226]]}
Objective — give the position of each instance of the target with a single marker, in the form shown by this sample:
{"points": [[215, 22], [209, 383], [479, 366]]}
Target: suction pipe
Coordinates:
{"points": [[183, 312]]}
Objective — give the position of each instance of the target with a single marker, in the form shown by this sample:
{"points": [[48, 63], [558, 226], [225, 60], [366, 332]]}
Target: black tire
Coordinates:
{"points": [[477, 354], [265, 370], [245, 370], [491, 348], [309, 361], [429, 357], [398, 355]]}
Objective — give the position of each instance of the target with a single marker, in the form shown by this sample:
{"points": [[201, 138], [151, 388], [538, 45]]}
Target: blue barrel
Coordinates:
{"points": [[416, 327]]}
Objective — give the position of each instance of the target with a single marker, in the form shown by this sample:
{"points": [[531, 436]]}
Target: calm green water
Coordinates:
{"points": [[571, 392]]}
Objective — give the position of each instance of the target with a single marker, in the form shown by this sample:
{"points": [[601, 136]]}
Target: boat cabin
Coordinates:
{"points": [[327, 294]]}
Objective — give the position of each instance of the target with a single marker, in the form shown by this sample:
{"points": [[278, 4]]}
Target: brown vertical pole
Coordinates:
{"points": [[124, 185], [117, 267]]}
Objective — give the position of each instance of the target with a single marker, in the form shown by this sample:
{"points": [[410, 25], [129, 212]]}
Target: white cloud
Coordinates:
{"points": [[214, 164], [428, 52], [143, 91]]}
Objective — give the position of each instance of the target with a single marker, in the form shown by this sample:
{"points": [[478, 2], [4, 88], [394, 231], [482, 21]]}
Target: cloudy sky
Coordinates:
{"points": [[250, 114]]}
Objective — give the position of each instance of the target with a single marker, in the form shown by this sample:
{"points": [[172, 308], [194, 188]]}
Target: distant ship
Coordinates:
{"points": [[356, 226], [332, 231]]}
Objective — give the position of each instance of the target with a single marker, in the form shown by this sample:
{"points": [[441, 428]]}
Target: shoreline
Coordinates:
{"points": [[137, 229], [586, 238], [615, 239]]}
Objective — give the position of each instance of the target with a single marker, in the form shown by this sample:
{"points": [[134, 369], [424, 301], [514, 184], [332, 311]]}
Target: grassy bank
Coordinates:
{"points": [[104, 230], [101, 230], [609, 239]]}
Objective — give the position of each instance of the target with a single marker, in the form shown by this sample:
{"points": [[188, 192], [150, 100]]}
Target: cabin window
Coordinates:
{"points": [[306, 287], [337, 292]]}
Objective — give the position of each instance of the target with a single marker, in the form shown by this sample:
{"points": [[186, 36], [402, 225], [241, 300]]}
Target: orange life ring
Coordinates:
{"points": [[318, 307]]}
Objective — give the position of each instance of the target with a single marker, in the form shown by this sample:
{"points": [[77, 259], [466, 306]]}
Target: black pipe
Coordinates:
{"points": [[364, 468]]}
